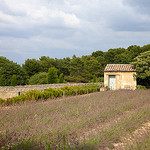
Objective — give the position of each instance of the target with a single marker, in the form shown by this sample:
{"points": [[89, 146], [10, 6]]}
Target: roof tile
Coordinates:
{"points": [[119, 68]]}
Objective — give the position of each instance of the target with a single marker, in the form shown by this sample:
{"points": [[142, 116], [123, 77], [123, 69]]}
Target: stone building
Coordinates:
{"points": [[120, 76]]}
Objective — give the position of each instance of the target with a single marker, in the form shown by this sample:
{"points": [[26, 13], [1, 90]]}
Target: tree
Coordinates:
{"points": [[39, 78], [31, 66], [2, 80], [111, 53], [52, 75], [142, 66], [61, 78], [13, 80], [94, 79], [98, 53], [76, 69], [45, 63], [8, 69], [63, 65], [93, 67]]}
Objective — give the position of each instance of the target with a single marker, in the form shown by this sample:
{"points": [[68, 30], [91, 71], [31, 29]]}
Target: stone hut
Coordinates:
{"points": [[120, 76]]}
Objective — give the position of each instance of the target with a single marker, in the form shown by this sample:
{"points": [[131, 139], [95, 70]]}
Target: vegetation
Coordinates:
{"points": [[2, 82], [142, 65], [102, 120], [95, 79], [38, 78], [77, 69], [52, 75], [61, 78], [13, 80], [35, 95], [8, 69]]}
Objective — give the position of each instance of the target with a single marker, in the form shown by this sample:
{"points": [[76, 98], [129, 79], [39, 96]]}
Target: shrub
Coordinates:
{"points": [[2, 101], [94, 79], [100, 79], [52, 75], [39, 78], [13, 80], [61, 78], [141, 87], [2, 80]]}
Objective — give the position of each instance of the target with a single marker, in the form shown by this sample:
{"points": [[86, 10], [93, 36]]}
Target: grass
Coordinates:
{"points": [[93, 121]]}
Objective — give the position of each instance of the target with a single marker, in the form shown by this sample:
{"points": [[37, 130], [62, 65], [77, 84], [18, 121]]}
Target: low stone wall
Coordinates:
{"points": [[12, 91]]}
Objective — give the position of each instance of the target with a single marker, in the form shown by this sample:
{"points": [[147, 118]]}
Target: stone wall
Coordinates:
{"points": [[12, 91], [124, 80]]}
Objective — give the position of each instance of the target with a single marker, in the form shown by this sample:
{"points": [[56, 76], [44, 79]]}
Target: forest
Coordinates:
{"points": [[84, 69]]}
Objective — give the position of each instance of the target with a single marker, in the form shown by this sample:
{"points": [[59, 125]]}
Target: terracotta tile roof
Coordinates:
{"points": [[119, 68]]}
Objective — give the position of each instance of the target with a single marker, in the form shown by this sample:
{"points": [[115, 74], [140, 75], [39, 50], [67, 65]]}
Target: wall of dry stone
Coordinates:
{"points": [[12, 91]]}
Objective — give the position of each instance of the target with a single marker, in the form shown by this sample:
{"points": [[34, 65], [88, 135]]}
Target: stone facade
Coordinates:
{"points": [[124, 80], [12, 91], [116, 79]]}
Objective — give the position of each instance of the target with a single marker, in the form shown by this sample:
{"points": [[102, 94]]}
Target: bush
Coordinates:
{"points": [[39, 78], [141, 87], [14, 80], [61, 78], [2, 101], [52, 75], [100, 79], [2, 80], [95, 79]]}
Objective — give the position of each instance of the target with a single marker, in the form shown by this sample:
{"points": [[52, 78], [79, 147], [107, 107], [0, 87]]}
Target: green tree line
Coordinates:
{"points": [[75, 69]]}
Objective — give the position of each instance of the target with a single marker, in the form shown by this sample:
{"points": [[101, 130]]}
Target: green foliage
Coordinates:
{"points": [[52, 75], [8, 69], [2, 101], [75, 69], [2, 80], [35, 95], [94, 79], [98, 53], [111, 54], [142, 65], [13, 80], [45, 63], [61, 78], [141, 87], [39, 78], [63, 65], [100, 79], [31, 67]]}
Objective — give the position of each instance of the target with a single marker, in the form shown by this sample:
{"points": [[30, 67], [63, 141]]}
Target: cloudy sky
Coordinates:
{"points": [[61, 28]]}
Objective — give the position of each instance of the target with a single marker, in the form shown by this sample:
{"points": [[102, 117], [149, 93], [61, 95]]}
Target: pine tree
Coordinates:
{"points": [[52, 75]]}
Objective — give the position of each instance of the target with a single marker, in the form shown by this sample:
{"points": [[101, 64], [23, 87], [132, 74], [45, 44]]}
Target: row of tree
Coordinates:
{"points": [[75, 69]]}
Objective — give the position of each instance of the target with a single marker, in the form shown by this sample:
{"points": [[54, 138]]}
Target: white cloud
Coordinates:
{"points": [[7, 19], [32, 26], [37, 13]]}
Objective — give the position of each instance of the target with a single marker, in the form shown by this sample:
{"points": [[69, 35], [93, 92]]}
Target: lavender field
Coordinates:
{"points": [[102, 120]]}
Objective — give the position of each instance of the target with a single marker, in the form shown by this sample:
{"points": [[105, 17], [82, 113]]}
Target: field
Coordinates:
{"points": [[102, 120]]}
